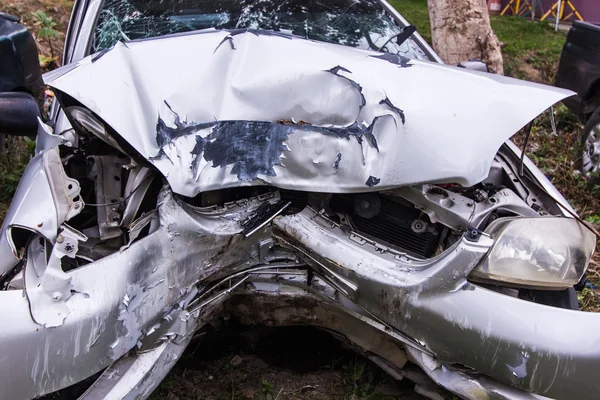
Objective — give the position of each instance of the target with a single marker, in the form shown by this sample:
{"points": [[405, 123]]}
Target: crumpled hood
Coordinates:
{"points": [[217, 109]]}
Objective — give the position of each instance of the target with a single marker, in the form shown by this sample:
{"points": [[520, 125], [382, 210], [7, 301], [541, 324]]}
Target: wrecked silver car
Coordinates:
{"points": [[277, 163]]}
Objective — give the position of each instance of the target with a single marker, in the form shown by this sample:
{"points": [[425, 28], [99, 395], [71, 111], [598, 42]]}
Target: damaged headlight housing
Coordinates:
{"points": [[544, 252]]}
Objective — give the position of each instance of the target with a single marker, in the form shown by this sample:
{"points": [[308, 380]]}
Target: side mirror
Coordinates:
{"points": [[19, 114], [474, 65]]}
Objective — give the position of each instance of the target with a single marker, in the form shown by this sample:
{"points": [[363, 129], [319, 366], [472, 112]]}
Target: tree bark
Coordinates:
{"points": [[461, 31]]}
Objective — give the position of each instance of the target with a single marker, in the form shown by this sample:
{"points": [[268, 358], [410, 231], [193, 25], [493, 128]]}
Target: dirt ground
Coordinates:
{"points": [[277, 363], [58, 10]]}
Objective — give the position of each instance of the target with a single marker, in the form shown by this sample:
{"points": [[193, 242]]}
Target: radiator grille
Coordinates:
{"points": [[392, 225]]}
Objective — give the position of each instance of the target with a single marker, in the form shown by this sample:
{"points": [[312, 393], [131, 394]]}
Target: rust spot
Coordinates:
{"points": [[332, 262], [40, 224], [290, 122]]}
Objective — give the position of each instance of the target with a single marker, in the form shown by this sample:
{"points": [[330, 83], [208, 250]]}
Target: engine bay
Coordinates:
{"points": [[120, 196]]}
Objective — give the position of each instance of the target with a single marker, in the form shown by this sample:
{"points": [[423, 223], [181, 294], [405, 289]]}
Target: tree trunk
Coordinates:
{"points": [[461, 31]]}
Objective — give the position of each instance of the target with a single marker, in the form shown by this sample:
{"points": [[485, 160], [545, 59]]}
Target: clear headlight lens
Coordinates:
{"points": [[543, 252]]}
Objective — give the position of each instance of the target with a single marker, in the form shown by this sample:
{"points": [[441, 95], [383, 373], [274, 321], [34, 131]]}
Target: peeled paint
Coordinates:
{"points": [[297, 114]]}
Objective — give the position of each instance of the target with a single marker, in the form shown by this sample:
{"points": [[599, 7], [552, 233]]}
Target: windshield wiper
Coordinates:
{"points": [[401, 36]]}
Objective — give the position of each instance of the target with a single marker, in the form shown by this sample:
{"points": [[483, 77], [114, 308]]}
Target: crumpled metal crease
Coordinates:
{"points": [[287, 96], [119, 301]]}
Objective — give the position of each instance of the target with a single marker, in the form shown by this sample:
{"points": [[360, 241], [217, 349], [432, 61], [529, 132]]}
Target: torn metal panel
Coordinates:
{"points": [[226, 119], [122, 300], [265, 301], [47, 139], [138, 182], [467, 386], [198, 265], [46, 197], [427, 299], [136, 376], [47, 286], [136, 227]]}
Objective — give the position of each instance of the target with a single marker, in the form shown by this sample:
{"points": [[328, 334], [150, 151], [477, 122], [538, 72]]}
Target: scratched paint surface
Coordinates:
{"points": [[244, 107]]}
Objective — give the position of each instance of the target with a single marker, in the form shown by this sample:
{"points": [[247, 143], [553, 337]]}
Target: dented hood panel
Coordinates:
{"points": [[219, 109]]}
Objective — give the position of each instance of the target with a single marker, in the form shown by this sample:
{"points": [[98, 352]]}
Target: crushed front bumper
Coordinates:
{"points": [[135, 311]]}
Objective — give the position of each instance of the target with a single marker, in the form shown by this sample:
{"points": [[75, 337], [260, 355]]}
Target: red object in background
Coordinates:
{"points": [[494, 6]]}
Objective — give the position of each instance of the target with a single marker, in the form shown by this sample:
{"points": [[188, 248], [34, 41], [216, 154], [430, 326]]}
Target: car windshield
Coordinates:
{"points": [[364, 24]]}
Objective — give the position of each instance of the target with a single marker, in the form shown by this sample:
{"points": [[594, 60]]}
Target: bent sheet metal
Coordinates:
{"points": [[297, 114]]}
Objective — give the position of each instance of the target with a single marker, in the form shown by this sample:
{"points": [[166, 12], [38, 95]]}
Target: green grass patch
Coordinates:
{"points": [[416, 12], [12, 164], [531, 49]]}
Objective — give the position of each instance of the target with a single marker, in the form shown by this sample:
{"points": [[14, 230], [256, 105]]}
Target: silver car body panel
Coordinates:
{"points": [[426, 300], [316, 116], [79, 39], [116, 302], [130, 315], [45, 198], [151, 296]]}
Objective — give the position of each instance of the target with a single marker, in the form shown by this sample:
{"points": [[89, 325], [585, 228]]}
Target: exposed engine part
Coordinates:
{"points": [[367, 205], [86, 122], [265, 214], [457, 211], [480, 195], [418, 226], [390, 221], [106, 172], [138, 183]]}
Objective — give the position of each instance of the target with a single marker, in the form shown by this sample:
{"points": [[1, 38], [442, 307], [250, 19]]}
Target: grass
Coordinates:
{"points": [[531, 50], [415, 11], [12, 165]]}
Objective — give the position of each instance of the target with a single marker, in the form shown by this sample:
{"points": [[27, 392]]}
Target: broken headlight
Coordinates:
{"points": [[537, 252]]}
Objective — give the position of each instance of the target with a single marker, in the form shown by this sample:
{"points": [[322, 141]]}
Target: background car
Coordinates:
{"points": [[21, 83], [579, 70]]}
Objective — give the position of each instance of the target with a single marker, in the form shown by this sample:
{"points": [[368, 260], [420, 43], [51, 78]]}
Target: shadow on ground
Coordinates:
{"points": [[276, 363]]}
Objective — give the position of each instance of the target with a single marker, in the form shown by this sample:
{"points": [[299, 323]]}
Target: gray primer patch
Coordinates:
{"points": [[338, 158], [128, 332], [395, 59], [337, 69], [392, 107], [165, 134], [229, 39], [252, 147], [519, 371], [372, 181]]}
